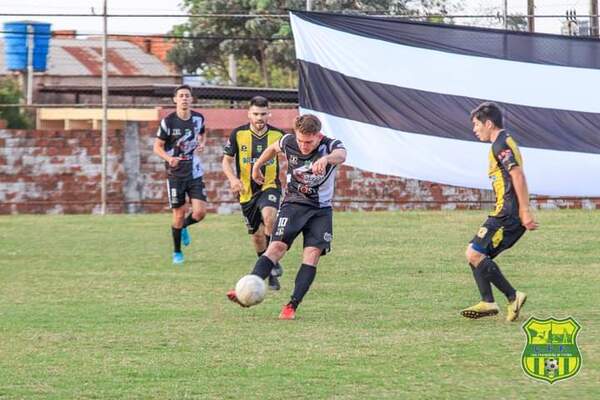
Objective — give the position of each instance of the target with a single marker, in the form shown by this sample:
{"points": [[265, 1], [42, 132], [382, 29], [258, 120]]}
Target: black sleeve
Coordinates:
{"points": [[231, 147], [163, 131], [335, 144], [203, 128], [505, 154], [283, 142]]}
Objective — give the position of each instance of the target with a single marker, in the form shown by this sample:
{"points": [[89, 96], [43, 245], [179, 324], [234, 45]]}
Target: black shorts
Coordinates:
{"points": [[177, 189], [252, 210], [497, 235], [316, 225]]}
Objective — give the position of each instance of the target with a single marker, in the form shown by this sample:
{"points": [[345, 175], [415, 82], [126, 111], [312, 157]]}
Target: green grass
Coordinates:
{"points": [[91, 308]]}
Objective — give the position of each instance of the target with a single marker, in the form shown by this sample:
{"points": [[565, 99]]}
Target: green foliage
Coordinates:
{"points": [[10, 93], [92, 308], [262, 45]]}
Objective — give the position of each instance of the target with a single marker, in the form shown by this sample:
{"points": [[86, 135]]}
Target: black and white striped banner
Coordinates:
{"points": [[398, 94]]}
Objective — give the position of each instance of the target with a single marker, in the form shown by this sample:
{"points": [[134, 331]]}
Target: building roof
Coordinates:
{"points": [[83, 57]]}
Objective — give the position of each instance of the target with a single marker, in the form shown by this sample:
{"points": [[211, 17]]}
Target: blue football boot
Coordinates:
{"points": [[186, 239], [178, 257]]}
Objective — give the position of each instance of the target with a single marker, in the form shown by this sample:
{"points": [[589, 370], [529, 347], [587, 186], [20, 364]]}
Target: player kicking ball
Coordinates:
{"points": [[307, 206]]}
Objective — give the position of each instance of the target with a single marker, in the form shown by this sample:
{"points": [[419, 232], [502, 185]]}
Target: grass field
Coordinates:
{"points": [[91, 308]]}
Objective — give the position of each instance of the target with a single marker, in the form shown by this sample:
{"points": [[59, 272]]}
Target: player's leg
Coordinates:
{"points": [[477, 251], [304, 279], [197, 194], [268, 215], [513, 231], [259, 241], [252, 216], [176, 193], [176, 228], [264, 264], [318, 233], [289, 224]]}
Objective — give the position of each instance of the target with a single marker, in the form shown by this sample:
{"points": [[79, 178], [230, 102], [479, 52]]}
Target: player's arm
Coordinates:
{"points": [[520, 184], [336, 157], [283, 166], [202, 142], [269, 153], [234, 183], [159, 150]]}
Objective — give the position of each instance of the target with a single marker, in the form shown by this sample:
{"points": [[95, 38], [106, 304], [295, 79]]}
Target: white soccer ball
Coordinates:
{"points": [[250, 290], [551, 364]]}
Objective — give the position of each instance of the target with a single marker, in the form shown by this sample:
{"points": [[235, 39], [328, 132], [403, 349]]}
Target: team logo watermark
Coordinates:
{"points": [[551, 353]]}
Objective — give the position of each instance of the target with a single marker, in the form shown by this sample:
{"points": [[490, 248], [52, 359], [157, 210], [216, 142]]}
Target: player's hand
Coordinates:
{"points": [[174, 161], [236, 186], [528, 221], [257, 175], [318, 167]]}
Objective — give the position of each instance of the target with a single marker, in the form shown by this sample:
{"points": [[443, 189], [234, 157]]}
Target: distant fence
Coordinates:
{"points": [[59, 172]]}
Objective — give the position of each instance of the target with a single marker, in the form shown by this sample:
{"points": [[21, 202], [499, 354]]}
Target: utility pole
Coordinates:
{"points": [[505, 14], [531, 15], [29, 64], [594, 18], [104, 110], [308, 5]]}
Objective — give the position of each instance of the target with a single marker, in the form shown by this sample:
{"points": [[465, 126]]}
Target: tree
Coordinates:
{"points": [[10, 93], [262, 44], [515, 22]]}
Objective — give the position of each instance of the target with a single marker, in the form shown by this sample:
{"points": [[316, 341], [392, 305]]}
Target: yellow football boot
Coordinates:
{"points": [[481, 309], [514, 307]]}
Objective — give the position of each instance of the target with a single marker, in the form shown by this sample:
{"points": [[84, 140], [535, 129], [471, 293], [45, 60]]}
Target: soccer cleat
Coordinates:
{"points": [[514, 307], [277, 271], [479, 310], [232, 297], [186, 239], [274, 283], [288, 312], [178, 257]]}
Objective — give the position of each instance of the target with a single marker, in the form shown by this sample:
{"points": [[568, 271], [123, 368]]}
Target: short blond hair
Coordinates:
{"points": [[307, 124]]}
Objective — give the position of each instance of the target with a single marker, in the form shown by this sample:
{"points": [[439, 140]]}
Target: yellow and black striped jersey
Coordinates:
{"points": [[246, 146], [503, 156]]}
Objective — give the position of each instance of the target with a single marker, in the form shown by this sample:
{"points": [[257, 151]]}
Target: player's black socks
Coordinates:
{"points": [[176, 232], [304, 278], [189, 221], [483, 284], [492, 272], [263, 267]]}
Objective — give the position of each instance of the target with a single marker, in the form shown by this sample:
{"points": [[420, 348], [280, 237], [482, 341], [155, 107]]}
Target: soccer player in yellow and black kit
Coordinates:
{"points": [[509, 220], [259, 202]]}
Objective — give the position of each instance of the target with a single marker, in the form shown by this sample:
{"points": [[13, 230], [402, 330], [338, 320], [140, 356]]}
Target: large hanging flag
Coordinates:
{"points": [[399, 94]]}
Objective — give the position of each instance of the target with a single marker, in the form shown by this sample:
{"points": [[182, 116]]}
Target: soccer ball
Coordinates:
{"points": [[551, 365], [250, 290]]}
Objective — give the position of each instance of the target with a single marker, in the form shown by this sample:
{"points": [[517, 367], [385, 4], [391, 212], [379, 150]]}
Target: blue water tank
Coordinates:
{"points": [[15, 44]]}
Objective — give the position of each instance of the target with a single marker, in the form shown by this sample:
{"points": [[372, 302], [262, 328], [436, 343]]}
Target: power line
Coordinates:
{"points": [[115, 36], [282, 16]]}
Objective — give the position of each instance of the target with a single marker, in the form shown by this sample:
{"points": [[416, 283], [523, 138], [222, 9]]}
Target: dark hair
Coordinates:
{"points": [[488, 111], [259, 101], [307, 124], [178, 88]]}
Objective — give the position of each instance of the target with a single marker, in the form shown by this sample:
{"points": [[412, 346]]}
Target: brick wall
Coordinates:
{"points": [[59, 172]]}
